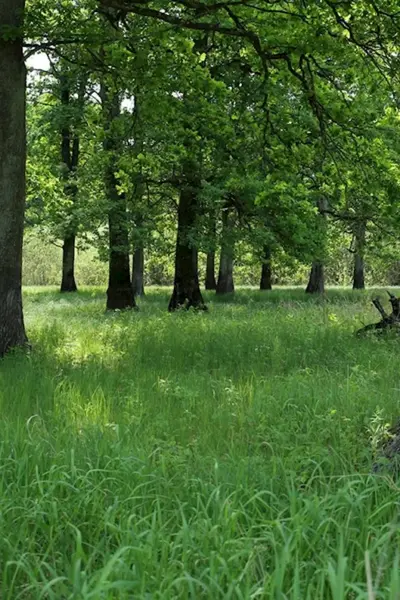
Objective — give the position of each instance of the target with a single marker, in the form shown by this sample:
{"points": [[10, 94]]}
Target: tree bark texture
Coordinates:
{"points": [[186, 292], [387, 322], [316, 282], [70, 159], [211, 283], [12, 177], [138, 272], [68, 283], [358, 272], [266, 271], [225, 275], [119, 293]]}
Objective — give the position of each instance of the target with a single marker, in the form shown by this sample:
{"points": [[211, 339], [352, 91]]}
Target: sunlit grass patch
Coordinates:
{"points": [[219, 455]]}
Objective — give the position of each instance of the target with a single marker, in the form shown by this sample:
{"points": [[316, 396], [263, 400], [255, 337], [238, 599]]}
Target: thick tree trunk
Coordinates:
{"points": [[138, 272], [316, 282], [70, 148], [211, 283], [68, 266], [70, 158], [225, 275], [225, 283], [12, 177], [266, 271], [186, 293], [119, 293], [358, 272]]}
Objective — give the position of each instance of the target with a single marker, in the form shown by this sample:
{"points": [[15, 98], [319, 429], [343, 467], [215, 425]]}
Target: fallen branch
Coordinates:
{"points": [[388, 321]]}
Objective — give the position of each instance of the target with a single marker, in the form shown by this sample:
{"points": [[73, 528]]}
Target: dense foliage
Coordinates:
{"points": [[279, 117]]}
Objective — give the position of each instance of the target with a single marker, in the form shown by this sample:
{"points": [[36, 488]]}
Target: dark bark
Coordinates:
{"points": [[316, 282], [70, 148], [119, 293], [225, 275], [211, 283], [68, 265], [388, 322], [358, 272], [225, 283], [186, 293], [12, 177], [138, 272], [266, 271]]}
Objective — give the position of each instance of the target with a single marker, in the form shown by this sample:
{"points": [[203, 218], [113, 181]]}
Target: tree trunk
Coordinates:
{"points": [[225, 275], [186, 291], [68, 266], [70, 158], [316, 283], [358, 272], [211, 283], [119, 293], [12, 177], [266, 271], [138, 272], [70, 149]]}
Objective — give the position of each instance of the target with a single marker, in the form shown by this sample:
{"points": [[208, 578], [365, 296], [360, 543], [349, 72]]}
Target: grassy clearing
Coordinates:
{"points": [[221, 455]]}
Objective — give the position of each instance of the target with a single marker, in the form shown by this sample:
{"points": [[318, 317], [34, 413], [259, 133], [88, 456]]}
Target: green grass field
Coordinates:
{"points": [[223, 455]]}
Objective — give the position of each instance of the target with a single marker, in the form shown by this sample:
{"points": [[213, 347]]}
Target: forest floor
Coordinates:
{"points": [[222, 455]]}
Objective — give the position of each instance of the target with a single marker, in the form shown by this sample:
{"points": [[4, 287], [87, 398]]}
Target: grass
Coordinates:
{"points": [[221, 455]]}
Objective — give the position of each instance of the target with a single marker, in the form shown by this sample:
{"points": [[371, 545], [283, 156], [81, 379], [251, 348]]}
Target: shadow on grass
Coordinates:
{"points": [[127, 355], [227, 378]]}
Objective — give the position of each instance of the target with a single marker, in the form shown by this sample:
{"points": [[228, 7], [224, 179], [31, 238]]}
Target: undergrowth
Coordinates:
{"points": [[221, 455]]}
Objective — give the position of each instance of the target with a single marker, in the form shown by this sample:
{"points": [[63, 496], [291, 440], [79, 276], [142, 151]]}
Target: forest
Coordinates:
{"points": [[199, 210]]}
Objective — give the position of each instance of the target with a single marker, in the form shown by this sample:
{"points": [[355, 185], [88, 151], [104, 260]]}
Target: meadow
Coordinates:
{"points": [[147, 455]]}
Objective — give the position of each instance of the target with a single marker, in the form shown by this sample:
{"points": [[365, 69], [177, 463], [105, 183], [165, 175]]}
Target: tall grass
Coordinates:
{"points": [[222, 455]]}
